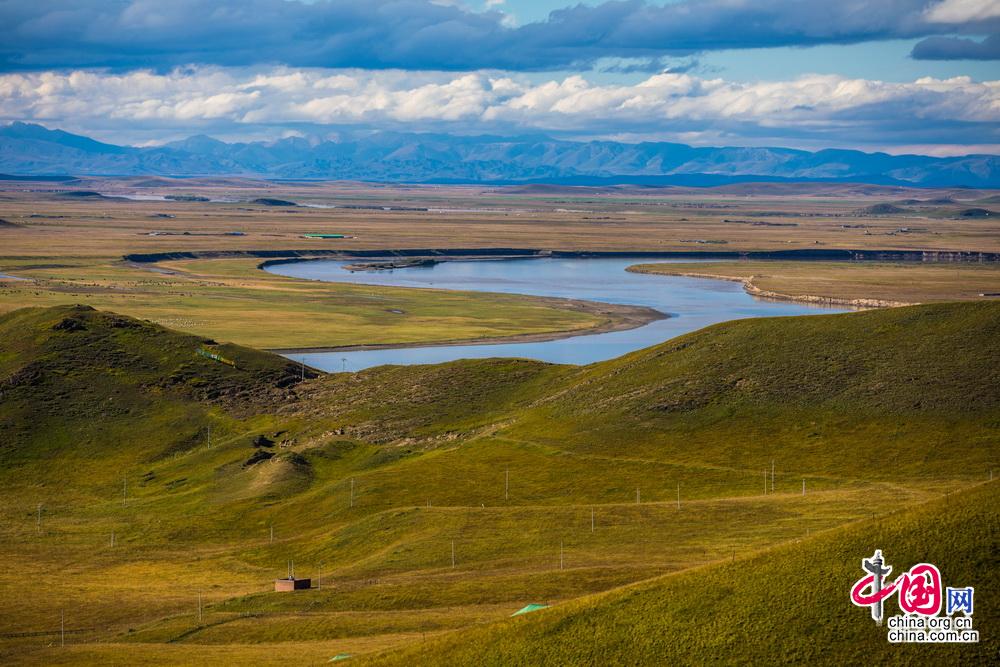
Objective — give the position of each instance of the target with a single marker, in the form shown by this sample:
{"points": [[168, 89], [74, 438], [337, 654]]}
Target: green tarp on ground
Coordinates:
{"points": [[530, 608]]}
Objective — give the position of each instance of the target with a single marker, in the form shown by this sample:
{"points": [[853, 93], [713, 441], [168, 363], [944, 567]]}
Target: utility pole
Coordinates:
{"points": [[112, 539], [637, 495], [38, 525], [803, 486], [272, 533]]}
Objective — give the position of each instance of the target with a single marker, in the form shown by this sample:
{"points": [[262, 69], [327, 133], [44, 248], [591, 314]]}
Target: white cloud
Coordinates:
{"points": [[942, 150], [225, 100], [963, 11]]}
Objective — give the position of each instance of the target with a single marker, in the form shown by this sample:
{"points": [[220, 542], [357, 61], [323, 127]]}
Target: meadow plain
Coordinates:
{"points": [[233, 300], [527, 333], [151, 495]]}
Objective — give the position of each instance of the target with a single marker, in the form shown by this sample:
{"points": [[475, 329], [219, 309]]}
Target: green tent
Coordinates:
{"points": [[530, 608], [340, 656]]}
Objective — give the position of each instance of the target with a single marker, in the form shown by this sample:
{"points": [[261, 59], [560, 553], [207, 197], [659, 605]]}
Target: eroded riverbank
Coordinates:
{"points": [[853, 284], [750, 288]]}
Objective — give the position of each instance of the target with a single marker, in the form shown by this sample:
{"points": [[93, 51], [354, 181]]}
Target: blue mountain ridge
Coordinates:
{"points": [[30, 149]]}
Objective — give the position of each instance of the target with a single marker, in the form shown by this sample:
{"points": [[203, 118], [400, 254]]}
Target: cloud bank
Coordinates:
{"points": [[957, 48], [832, 109], [428, 35]]}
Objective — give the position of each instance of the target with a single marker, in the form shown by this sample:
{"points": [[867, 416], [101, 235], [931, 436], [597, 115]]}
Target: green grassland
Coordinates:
{"points": [[789, 604], [235, 301], [547, 483]]}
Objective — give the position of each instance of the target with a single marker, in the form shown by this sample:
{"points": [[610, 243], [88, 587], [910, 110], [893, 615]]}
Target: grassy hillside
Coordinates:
{"points": [[547, 483], [88, 387], [94, 348], [790, 604]]}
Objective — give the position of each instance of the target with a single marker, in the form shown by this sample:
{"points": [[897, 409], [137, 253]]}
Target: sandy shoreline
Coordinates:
{"points": [[753, 290]]}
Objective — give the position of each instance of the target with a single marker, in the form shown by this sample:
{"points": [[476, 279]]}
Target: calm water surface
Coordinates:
{"points": [[692, 303]]}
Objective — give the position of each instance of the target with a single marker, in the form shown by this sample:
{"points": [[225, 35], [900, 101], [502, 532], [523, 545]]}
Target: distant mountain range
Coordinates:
{"points": [[29, 149]]}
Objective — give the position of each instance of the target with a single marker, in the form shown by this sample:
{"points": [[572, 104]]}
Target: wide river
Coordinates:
{"points": [[691, 303]]}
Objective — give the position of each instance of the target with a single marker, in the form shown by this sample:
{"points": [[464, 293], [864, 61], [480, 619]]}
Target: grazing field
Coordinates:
{"points": [[154, 493], [232, 300], [850, 282]]}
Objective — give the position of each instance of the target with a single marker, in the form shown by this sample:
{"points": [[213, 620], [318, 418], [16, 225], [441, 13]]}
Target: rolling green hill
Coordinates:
{"points": [[838, 394], [436, 498], [87, 392]]}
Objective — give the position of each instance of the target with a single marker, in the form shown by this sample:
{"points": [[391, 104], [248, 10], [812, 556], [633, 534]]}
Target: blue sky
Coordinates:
{"points": [[886, 61], [895, 75]]}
